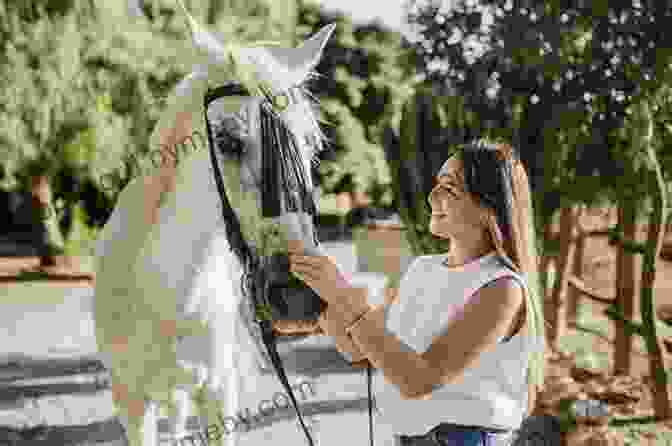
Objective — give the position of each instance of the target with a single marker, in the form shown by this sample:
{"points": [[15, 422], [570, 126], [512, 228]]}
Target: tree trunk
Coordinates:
{"points": [[654, 345], [573, 295], [546, 260], [48, 240], [213, 12], [626, 265], [414, 160], [564, 264]]}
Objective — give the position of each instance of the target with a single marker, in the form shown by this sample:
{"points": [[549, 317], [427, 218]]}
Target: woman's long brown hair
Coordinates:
{"points": [[510, 221]]}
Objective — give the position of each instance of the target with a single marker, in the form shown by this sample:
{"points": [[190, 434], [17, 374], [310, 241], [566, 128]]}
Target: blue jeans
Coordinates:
{"points": [[447, 434]]}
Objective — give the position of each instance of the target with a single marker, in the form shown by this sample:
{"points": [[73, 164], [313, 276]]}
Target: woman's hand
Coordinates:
{"points": [[321, 273], [333, 323]]}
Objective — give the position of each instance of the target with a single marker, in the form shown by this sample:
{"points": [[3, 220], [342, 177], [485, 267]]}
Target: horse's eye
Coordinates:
{"points": [[230, 136]]}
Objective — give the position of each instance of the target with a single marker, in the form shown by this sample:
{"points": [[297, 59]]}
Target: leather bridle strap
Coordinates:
{"points": [[268, 335]]}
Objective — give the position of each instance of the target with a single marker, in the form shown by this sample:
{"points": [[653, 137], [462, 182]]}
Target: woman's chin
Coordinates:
{"points": [[436, 233], [434, 223]]}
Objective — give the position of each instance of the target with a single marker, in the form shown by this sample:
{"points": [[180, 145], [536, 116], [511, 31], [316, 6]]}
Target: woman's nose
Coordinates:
{"points": [[432, 197]]}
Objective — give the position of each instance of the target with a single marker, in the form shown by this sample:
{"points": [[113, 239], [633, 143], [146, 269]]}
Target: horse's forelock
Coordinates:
{"points": [[300, 117]]}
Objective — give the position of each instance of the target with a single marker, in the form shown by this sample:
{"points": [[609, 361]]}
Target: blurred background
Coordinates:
{"points": [[581, 88]]}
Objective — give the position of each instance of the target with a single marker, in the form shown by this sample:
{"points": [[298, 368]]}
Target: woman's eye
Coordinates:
{"points": [[447, 189]]}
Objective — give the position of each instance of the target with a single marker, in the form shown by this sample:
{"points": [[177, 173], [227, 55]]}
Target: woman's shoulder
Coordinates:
{"points": [[504, 265], [418, 265]]}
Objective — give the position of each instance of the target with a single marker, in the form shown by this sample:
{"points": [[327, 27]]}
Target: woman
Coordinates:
{"points": [[455, 346]]}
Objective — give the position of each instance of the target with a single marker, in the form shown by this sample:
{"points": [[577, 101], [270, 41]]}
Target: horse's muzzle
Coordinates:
{"points": [[289, 298]]}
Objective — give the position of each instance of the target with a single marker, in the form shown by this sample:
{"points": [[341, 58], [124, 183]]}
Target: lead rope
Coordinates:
{"points": [[266, 329], [368, 378]]}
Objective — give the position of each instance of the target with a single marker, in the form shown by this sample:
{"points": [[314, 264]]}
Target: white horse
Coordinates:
{"points": [[171, 317]]}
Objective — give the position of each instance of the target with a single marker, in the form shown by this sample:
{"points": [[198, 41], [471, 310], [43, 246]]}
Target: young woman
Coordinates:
{"points": [[456, 346]]}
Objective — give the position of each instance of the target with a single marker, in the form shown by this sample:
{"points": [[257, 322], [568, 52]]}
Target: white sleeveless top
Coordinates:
{"points": [[491, 393]]}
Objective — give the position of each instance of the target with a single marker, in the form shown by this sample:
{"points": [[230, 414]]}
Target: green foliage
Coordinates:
{"points": [[264, 312], [81, 235], [363, 84], [560, 89], [83, 84], [566, 415], [270, 238], [361, 159], [426, 138], [209, 409]]}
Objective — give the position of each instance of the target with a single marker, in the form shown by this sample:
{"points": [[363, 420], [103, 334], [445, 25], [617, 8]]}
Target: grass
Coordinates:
{"points": [[633, 434], [579, 343]]}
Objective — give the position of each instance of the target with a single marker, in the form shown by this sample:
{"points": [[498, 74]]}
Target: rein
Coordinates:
{"points": [[248, 257]]}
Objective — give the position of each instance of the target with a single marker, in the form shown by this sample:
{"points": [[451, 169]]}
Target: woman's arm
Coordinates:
{"points": [[484, 320], [333, 323]]}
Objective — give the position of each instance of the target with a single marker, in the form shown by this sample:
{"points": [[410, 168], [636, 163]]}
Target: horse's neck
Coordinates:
{"points": [[127, 227]]}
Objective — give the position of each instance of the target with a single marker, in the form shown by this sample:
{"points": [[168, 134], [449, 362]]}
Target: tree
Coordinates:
{"points": [[642, 129], [362, 84], [84, 85], [430, 125], [40, 98]]}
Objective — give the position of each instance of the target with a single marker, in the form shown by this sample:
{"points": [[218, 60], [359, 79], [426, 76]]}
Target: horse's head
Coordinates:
{"points": [[263, 136], [265, 155]]}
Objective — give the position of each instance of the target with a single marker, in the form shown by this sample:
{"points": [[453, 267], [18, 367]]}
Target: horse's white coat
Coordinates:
{"points": [[181, 268]]}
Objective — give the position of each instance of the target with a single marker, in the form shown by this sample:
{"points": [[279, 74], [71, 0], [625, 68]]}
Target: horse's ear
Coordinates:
{"points": [[297, 62], [312, 49], [300, 61]]}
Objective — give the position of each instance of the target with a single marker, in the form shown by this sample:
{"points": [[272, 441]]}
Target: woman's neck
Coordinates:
{"points": [[462, 255]]}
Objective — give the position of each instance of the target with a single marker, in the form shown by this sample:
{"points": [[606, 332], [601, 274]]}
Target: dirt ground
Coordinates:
{"points": [[601, 277], [626, 396], [66, 271]]}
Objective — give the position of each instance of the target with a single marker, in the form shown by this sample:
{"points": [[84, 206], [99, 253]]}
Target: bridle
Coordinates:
{"points": [[251, 260]]}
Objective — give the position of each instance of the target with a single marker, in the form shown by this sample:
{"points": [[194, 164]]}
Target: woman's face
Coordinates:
{"points": [[455, 212]]}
